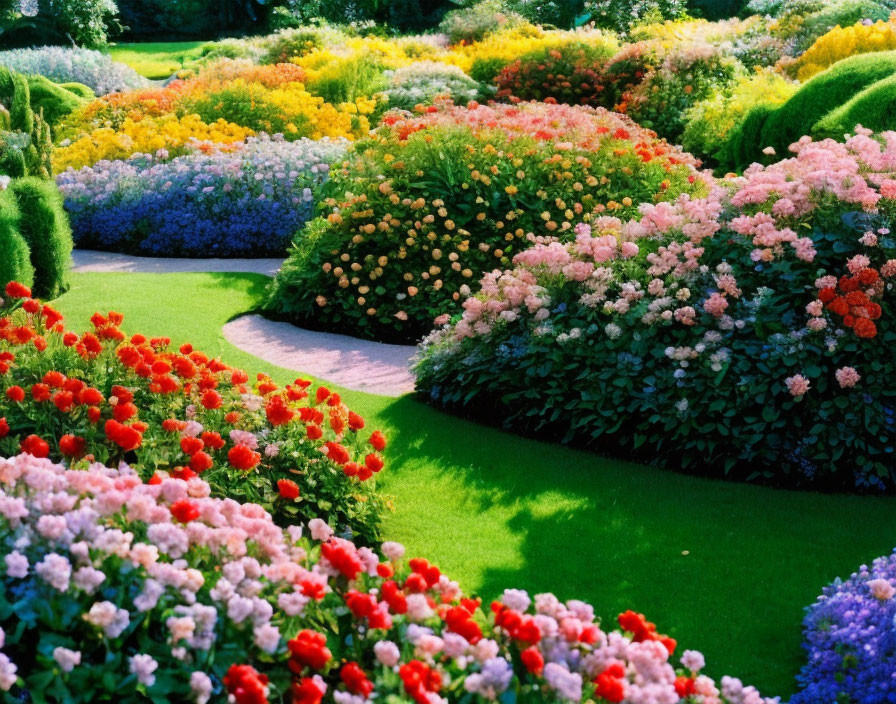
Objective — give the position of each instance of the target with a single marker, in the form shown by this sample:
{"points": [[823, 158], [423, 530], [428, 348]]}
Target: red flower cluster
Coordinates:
{"points": [[246, 685], [643, 630], [308, 649], [419, 680], [851, 299]]}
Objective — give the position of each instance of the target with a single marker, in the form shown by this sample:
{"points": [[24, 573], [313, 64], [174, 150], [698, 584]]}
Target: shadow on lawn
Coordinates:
{"points": [[725, 567]]}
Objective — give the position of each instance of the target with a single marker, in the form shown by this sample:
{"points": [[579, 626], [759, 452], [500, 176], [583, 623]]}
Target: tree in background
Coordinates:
{"points": [[85, 23]]}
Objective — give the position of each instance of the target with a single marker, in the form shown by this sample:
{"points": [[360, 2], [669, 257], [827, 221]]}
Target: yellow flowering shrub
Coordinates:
{"points": [[145, 136], [843, 42], [311, 116]]}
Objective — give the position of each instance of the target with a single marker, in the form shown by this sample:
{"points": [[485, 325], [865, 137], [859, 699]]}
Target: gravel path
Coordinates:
{"points": [[85, 260], [360, 365]]}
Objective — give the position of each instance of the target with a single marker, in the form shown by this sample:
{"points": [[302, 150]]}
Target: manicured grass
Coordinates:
{"points": [[157, 60], [725, 568]]}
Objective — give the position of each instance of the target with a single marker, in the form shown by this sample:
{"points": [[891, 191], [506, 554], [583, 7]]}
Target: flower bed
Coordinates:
{"points": [[851, 639], [62, 65], [747, 332], [426, 205], [244, 201], [177, 413], [424, 82], [117, 587]]}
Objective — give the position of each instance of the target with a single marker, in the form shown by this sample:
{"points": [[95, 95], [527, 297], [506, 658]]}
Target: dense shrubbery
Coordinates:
{"points": [[429, 203], [851, 639], [474, 23], [841, 43], [873, 108], [424, 82], [84, 22], [178, 413], [747, 332], [621, 15], [63, 65], [246, 201]]}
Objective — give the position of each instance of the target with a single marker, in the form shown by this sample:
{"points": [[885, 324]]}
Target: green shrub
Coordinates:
{"points": [[15, 264], [346, 80], [873, 108], [53, 99], [25, 143], [474, 23], [79, 89], [742, 140], [44, 226], [819, 96], [16, 96]]}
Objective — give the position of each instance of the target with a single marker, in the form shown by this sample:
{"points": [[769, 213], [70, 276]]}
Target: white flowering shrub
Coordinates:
{"points": [[65, 65], [423, 82]]}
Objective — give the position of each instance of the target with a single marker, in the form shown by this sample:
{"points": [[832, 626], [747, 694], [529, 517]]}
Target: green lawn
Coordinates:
{"points": [[157, 60], [725, 568]]}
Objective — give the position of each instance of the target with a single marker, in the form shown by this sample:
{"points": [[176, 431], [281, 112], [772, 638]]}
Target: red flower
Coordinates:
{"points": [[865, 328], [211, 399], [306, 691], [684, 686], [40, 392], [419, 679], [343, 556], [288, 489], [337, 453], [308, 649], [16, 290], [246, 685], [91, 397], [72, 445], [314, 432], [200, 462], [190, 445], [124, 411], [212, 440], [54, 379], [532, 660], [4, 428], [373, 462], [355, 679], [127, 437], [610, 684], [34, 445], [378, 440], [322, 393], [16, 394], [185, 510], [277, 412], [243, 457], [355, 422]]}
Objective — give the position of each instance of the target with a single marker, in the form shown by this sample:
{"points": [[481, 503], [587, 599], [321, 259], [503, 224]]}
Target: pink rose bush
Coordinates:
{"points": [[115, 587], [746, 332]]}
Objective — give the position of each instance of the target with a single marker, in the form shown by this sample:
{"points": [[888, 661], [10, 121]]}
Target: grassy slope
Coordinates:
{"points": [[156, 59], [495, 510]]}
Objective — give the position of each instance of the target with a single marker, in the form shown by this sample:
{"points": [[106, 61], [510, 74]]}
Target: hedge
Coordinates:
{"points": [[874, 108], [15, 264]]}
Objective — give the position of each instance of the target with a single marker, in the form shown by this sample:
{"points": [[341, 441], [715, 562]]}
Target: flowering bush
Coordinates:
{"points": [[431, 202], [175, 135], [116, 587], [474, 23], [92, 68], [851, 639], [178, 413], [424, 82], [571, 73], [746, 332], [243, 201], [687, 75], [622, 15], [842, 42], [627, 69]]}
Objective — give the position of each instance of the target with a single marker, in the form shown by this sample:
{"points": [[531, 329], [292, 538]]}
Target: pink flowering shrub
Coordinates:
{"points": [[118, 590], [748, 332]]}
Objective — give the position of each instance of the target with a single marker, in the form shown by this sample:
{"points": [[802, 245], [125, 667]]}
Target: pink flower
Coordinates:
{"points": [[797, 385], [847, 377], [881, 589]]}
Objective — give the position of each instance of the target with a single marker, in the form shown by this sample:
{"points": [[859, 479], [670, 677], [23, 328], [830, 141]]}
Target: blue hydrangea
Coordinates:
{"points": [[850, 636], [247, 200]]}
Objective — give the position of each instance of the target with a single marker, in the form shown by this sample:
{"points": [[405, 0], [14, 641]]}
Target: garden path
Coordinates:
{"points": [[360, 365]]}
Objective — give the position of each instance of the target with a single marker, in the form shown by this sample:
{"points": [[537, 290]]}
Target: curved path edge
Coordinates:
{"points": [[360, 365]]}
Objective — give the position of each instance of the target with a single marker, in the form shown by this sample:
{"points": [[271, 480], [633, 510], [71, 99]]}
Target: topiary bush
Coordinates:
{"points": [[428, 203], [746, 334], [819, 96], [743, 138], [15, 264], [44, 226], [79, 89], [52, 100], [873, 108]]}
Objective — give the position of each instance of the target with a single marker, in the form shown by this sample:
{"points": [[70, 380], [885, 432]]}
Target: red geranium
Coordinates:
{"points": [[308, 649], [288, 489], [243, 457], [185, 510], [35, 445]]}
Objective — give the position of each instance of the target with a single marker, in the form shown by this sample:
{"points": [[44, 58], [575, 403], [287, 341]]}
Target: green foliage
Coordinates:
{"points": [[346, 80], [819, 96], [25, 143], [87, 23], [44, 226], [160, 60], [79, 89], [476, 21], [52, 100], [15, 264], [873, 108], [742, 141]]}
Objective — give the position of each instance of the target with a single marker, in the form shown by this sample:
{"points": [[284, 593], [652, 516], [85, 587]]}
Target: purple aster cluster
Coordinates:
{"points": [[850, 636], [241, 200]]}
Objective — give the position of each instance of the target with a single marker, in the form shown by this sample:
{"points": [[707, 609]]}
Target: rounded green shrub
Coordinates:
{"points": [[873, 108], [79, 89], [742, 140], [54, 100], [819, 96], [15, 264], [44, 226], [16, 96]]}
